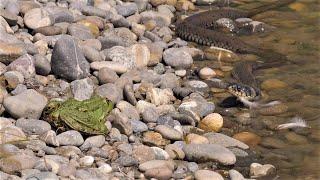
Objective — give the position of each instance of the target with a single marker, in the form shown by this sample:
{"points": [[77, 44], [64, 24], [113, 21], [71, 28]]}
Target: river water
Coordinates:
{"points": [[295, 153]]}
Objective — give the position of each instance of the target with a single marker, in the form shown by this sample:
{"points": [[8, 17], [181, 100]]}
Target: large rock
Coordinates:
{"points": [[27, 104], [209, 152], [68, 61]]}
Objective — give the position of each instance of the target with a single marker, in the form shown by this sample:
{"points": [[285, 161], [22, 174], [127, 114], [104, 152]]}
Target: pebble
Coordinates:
{"points": [[235, 175], [91, 54], [161, 173], [143, 153], [33, 126], [11, 134], [196, 139], [93, 141], [169, 133], [105, 168], [68, 60], [110, 91], [180, 73], [160, 154], [17, 162], [107, 75], [86, 161], [273, 110], [156, 164], [49, 30], [174, 151], [37, 17], [207, 175], [257, 170], [28, 104], [209, 152], [70, 138], [42, 65], [138, 126], [212, 122], [10, 52], [224, 140], [50, 138], [154, 138], [160, 96], [13, 78], [24, 65], [45, 175], [206, 73], [127, 9], [177, 58], [82, 89], [248, 138], [80, 31]]}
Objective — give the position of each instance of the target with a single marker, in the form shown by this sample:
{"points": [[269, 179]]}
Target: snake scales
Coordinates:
{"points": [[200, 28]]}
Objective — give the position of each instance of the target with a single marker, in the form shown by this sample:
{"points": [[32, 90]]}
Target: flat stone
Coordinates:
{"points": [[223, 140], [70, 138], [82, 89], [80, 31], [25, 65], [115, 66], [207, 175], [209, 152], [156, 164], [177, 58], [161, 173], [10, 52], [168, 132], [33, 126], [93, 141], [110, 91]]}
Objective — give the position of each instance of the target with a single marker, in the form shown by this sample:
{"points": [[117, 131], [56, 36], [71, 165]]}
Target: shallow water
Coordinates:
{"points": [[296, 155]]}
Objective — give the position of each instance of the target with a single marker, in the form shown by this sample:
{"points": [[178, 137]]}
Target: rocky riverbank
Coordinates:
{"points": [[162, 126]]}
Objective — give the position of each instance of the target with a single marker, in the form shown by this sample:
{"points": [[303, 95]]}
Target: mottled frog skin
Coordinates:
{"points": [[86, 116]]}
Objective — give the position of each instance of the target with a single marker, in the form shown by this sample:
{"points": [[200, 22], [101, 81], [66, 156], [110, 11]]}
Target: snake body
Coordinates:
{"points": [[200, 28]]}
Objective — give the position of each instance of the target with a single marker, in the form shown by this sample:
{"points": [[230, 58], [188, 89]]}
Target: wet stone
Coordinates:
{"points": [[209, 152], [226, 141]]}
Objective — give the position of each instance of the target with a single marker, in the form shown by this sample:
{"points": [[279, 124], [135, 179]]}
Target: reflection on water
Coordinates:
{"points": [[294, 153]]}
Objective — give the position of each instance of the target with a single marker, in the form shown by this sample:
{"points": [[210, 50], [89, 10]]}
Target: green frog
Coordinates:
{"points": [[86, 116]]}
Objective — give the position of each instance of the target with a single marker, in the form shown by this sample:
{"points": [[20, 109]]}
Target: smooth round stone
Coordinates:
{"points": [[150, 115], [160, 153], [11, 18], [80, 31], [177, 58], [168, 132], [156, 164], [94, 141], [33, 126], [273, 110], [36, 18], [224, 140], [42, 65], [28, 104], [212, 122], [17, 162], [174, 151], [272, 84], [24, 64], [143, 153], [138, 126], [154, 138], [11, 134], [209, 152], [70, 138], [206, 73], [196, 139], [45, 175], [107, 75], [248, 138], [235, 175], [110, 91], [161, 173], [86, 161], [257, 170], [91, 54], [207, 175], [50, 138], [180, 73], [49, 30], [91, 26]]}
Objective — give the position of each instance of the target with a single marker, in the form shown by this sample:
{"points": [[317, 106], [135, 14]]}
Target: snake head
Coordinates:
{"points": [[243, 91]]}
